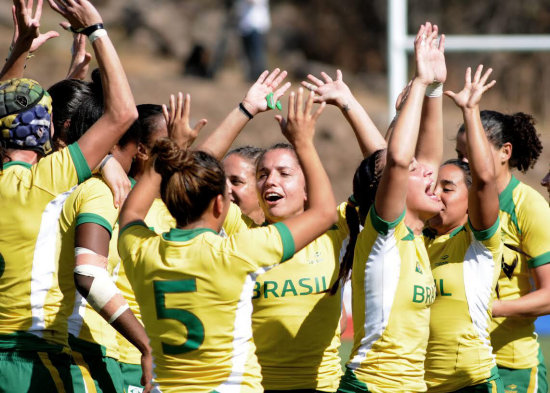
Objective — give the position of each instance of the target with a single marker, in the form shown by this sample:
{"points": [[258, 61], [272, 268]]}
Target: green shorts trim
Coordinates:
{"points": [[527, 380], [131, 377], [40, 372], [350, 384]]}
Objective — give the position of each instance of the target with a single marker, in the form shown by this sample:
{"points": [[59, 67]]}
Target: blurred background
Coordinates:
{"points": [[197, 47]]}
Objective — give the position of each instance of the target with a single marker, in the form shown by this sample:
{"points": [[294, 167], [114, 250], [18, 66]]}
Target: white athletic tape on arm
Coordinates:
{"points": [[118, 312], [102, 290]]}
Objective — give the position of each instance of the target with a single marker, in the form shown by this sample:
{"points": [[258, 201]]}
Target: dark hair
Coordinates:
{"points": [[280, 145], [150, 117], [251, 153], [464, 166], [67, 98], [365, 184], [190, 180], [517, 129]]}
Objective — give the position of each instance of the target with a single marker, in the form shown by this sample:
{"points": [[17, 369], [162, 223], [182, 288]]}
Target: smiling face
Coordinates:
{"points": [[451, 187], [241, 176], [420, 197], [281, 185]]}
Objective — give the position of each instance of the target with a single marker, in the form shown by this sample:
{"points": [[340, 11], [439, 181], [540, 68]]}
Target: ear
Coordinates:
{"points": [[218, 205], [142, 153], [506, 151]]}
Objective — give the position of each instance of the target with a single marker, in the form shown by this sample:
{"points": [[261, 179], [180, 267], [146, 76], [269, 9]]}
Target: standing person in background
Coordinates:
{"points": [[240, 168], [253, 24], [524, 217]]}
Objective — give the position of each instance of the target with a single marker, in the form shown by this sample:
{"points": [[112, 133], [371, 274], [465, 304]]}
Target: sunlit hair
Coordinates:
{"points": [[190, 180], [250, 153], [365, 184], [517, 129], [277, 146]]}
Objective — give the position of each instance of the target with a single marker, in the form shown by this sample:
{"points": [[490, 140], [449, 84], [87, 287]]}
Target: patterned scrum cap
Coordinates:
{"points": [[25, 115]]}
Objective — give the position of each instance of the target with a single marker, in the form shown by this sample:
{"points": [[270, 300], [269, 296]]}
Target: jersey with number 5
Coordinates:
{"points": [[194, 289]]}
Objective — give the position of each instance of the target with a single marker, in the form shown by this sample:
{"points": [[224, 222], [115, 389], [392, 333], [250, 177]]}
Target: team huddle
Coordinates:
{"points": [[224, 271]]}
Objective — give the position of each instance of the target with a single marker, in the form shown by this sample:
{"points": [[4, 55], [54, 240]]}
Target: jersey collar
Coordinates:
{"points": [[21, 163], [183, 235]]}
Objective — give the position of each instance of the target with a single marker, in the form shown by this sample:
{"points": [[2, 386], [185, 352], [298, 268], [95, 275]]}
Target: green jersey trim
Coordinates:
{"points": [[20, 163], [132, 181], [382, 226], [542, 259], [350, 383], [130, 224], [183, 235], [82, 169], [23, 341], [486, 233], [84, 218], [289, 247], [456, 231], [506, 201]]}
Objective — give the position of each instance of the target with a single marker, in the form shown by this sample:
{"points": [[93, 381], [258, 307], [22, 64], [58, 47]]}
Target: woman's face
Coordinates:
{"points": [[241, 176], [420, 197], [451, 187], [281, 185], [546, 182]]}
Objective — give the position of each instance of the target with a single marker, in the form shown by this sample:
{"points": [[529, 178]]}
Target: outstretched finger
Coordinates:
{"points": [[468, 76], [282, 122], [166, 114], [485, 76], [338, 75], [477, 75], [172, 107], [271, 77], [450, 94], [326, 77], [319, 111], [179, 107], [421, 34], [309, 103], [489, 85], [262, 77], [291, 105], [57, 7], [315, 80], [300, 102], [279, 79], [201, 123], [38, 12], [187, 107], [280, 91], [442, 43]]}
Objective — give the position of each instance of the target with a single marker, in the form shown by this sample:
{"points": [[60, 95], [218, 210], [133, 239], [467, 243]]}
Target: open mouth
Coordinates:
{"points": [[272, 197], [430, 193]]}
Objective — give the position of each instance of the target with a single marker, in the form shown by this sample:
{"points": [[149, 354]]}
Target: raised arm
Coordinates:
{"points": [[119, 107], [219, 141], [392, 191], [177, 121], [483, 202], [429, 149], [299, 129], [26, 37], [337, 93]]}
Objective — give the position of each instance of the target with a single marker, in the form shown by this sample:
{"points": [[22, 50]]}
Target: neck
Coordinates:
{"points": [[503, 178], [28, 156], [413, 221]]}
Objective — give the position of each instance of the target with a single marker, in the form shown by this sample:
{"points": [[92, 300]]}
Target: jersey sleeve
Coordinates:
{"points": [[533, 220], [381, 226], [236, 221], [97, 206], [58, 172], [263, 247], [490, 237], [131, 239]]}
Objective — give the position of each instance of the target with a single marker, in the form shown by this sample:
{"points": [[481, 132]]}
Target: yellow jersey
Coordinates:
{"points": [[159, 220], [393, 289], [524, 217], [194, 291], [465, 265], [91, 202], [295, 322], [31, 198]]}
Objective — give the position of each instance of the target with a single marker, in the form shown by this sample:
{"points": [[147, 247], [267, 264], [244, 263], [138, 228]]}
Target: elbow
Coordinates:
{"points": [[123, 116], [398, 159], [83, 284]]}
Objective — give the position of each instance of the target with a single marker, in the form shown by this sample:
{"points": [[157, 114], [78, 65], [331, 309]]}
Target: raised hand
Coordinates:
{"points": [[26, 26], [80, 59], [177, 120], [436, 56], [300, 123], [79, 13], [425, 53], [471, 94], [334, 92], [255, 99]]}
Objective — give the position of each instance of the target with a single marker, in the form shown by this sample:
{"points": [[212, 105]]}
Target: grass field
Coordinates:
{"points": [[346, 348]]}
